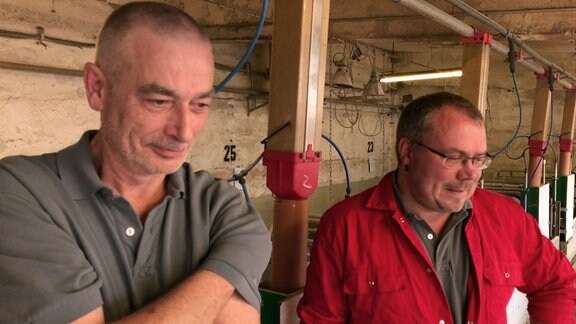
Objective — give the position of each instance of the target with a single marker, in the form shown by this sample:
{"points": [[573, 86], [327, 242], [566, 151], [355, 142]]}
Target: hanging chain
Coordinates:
{"points": [[331, 109], [383, 151]]}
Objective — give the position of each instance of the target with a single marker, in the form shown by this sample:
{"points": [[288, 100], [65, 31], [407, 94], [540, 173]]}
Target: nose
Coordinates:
{"points": [[180, 124]]}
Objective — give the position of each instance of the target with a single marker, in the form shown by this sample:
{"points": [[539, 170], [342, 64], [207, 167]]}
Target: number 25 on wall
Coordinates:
{"points": [[230, 154]]}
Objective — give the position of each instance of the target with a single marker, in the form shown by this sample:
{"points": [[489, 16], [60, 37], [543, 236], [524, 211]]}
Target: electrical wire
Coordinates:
{"points": [[345, 165], [377, 129], [554, 155], [352, 115], [248, 51], [512, 64], [522, 155]]}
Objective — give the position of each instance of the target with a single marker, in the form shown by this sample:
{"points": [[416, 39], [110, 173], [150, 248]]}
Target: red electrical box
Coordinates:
{"points": [[292, 175]]}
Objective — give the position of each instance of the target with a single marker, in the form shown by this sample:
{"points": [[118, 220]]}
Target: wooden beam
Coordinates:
{"points": [[539, 131], [296, 97], [567, 133], [475, 68]]}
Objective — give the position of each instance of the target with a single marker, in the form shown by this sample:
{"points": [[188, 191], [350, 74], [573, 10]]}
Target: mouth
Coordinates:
{"points": [[169, 152], [458, 190]]}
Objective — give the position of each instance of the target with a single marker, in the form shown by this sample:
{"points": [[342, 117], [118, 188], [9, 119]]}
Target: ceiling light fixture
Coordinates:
{"points": [[374, 87], [425, 75], [341, 78]]}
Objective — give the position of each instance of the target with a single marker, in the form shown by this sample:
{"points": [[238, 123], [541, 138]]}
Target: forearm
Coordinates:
{"points": [[560, 309], [237, 310], [199, 299], [550, 280]]}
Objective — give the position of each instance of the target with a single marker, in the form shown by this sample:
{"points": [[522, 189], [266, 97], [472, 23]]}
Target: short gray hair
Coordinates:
{"points": [[162, 18]]}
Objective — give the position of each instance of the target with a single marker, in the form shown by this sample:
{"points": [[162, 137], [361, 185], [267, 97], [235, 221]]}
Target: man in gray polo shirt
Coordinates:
{"points": [[117, 227]]}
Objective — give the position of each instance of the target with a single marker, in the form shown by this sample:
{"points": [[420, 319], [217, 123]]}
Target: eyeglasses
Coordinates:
{"points": [[456, 162]]}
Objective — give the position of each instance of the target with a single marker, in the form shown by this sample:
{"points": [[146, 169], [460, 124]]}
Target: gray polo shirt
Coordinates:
{"points": [[68, 244], [448, 252]]}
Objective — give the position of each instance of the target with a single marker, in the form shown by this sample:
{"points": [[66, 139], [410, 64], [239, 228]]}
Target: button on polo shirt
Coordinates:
{"points": [[137, 237], [130, 231], [140, 240]]}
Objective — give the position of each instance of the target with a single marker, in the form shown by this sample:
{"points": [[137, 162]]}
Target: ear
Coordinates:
{"points": [[404, 149], [94, 83]]}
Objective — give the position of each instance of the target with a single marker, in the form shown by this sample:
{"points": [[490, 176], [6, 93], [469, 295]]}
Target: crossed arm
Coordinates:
{"points": [[205, 297], [238, 243]]}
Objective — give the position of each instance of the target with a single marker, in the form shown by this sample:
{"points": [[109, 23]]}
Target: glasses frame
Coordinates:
{"points": [[462, 159]]}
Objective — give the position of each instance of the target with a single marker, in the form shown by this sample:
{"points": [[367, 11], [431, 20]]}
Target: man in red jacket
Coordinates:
{"points": [[426, 245]]}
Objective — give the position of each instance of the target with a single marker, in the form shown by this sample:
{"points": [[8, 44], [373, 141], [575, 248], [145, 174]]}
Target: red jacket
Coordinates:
{"points": [[367, 265]]}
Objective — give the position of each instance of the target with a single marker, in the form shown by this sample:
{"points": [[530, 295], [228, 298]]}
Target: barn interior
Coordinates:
{"points": [[303, 88]]}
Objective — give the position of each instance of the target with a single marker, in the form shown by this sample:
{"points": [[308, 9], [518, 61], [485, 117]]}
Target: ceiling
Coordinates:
{"points": [[546, 26]]}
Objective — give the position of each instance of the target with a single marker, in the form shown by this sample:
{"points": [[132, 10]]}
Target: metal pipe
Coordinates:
{"points": [[79, 73], [428, 10], [480, 16], [360, 103], [503, 50], [463, 29], [456, 14], [40, 69], [38, 37], [506, 33]]}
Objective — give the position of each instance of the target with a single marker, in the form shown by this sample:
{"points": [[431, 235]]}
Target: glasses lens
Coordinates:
{"points": [[452, 162], [481, 162]]}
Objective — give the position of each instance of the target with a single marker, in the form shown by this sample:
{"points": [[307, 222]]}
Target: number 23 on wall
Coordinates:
{"points": [[370, 146]]}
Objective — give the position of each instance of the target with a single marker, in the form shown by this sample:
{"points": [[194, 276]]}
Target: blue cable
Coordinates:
{"points": [[231, 75], [248, 51], [348, 190], [240, 177], [245, 190]]}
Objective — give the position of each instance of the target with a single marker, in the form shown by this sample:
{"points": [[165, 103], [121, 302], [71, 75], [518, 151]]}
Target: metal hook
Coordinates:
{"points": [[40, 33]]}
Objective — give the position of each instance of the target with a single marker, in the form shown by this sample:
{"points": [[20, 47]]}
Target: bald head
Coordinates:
{"points": [[162, 19]]}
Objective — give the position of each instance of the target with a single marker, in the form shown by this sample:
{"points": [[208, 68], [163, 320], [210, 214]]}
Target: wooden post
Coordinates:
{"points": [[475, 67], [539, 131], [298, 66], [567, 133]]}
